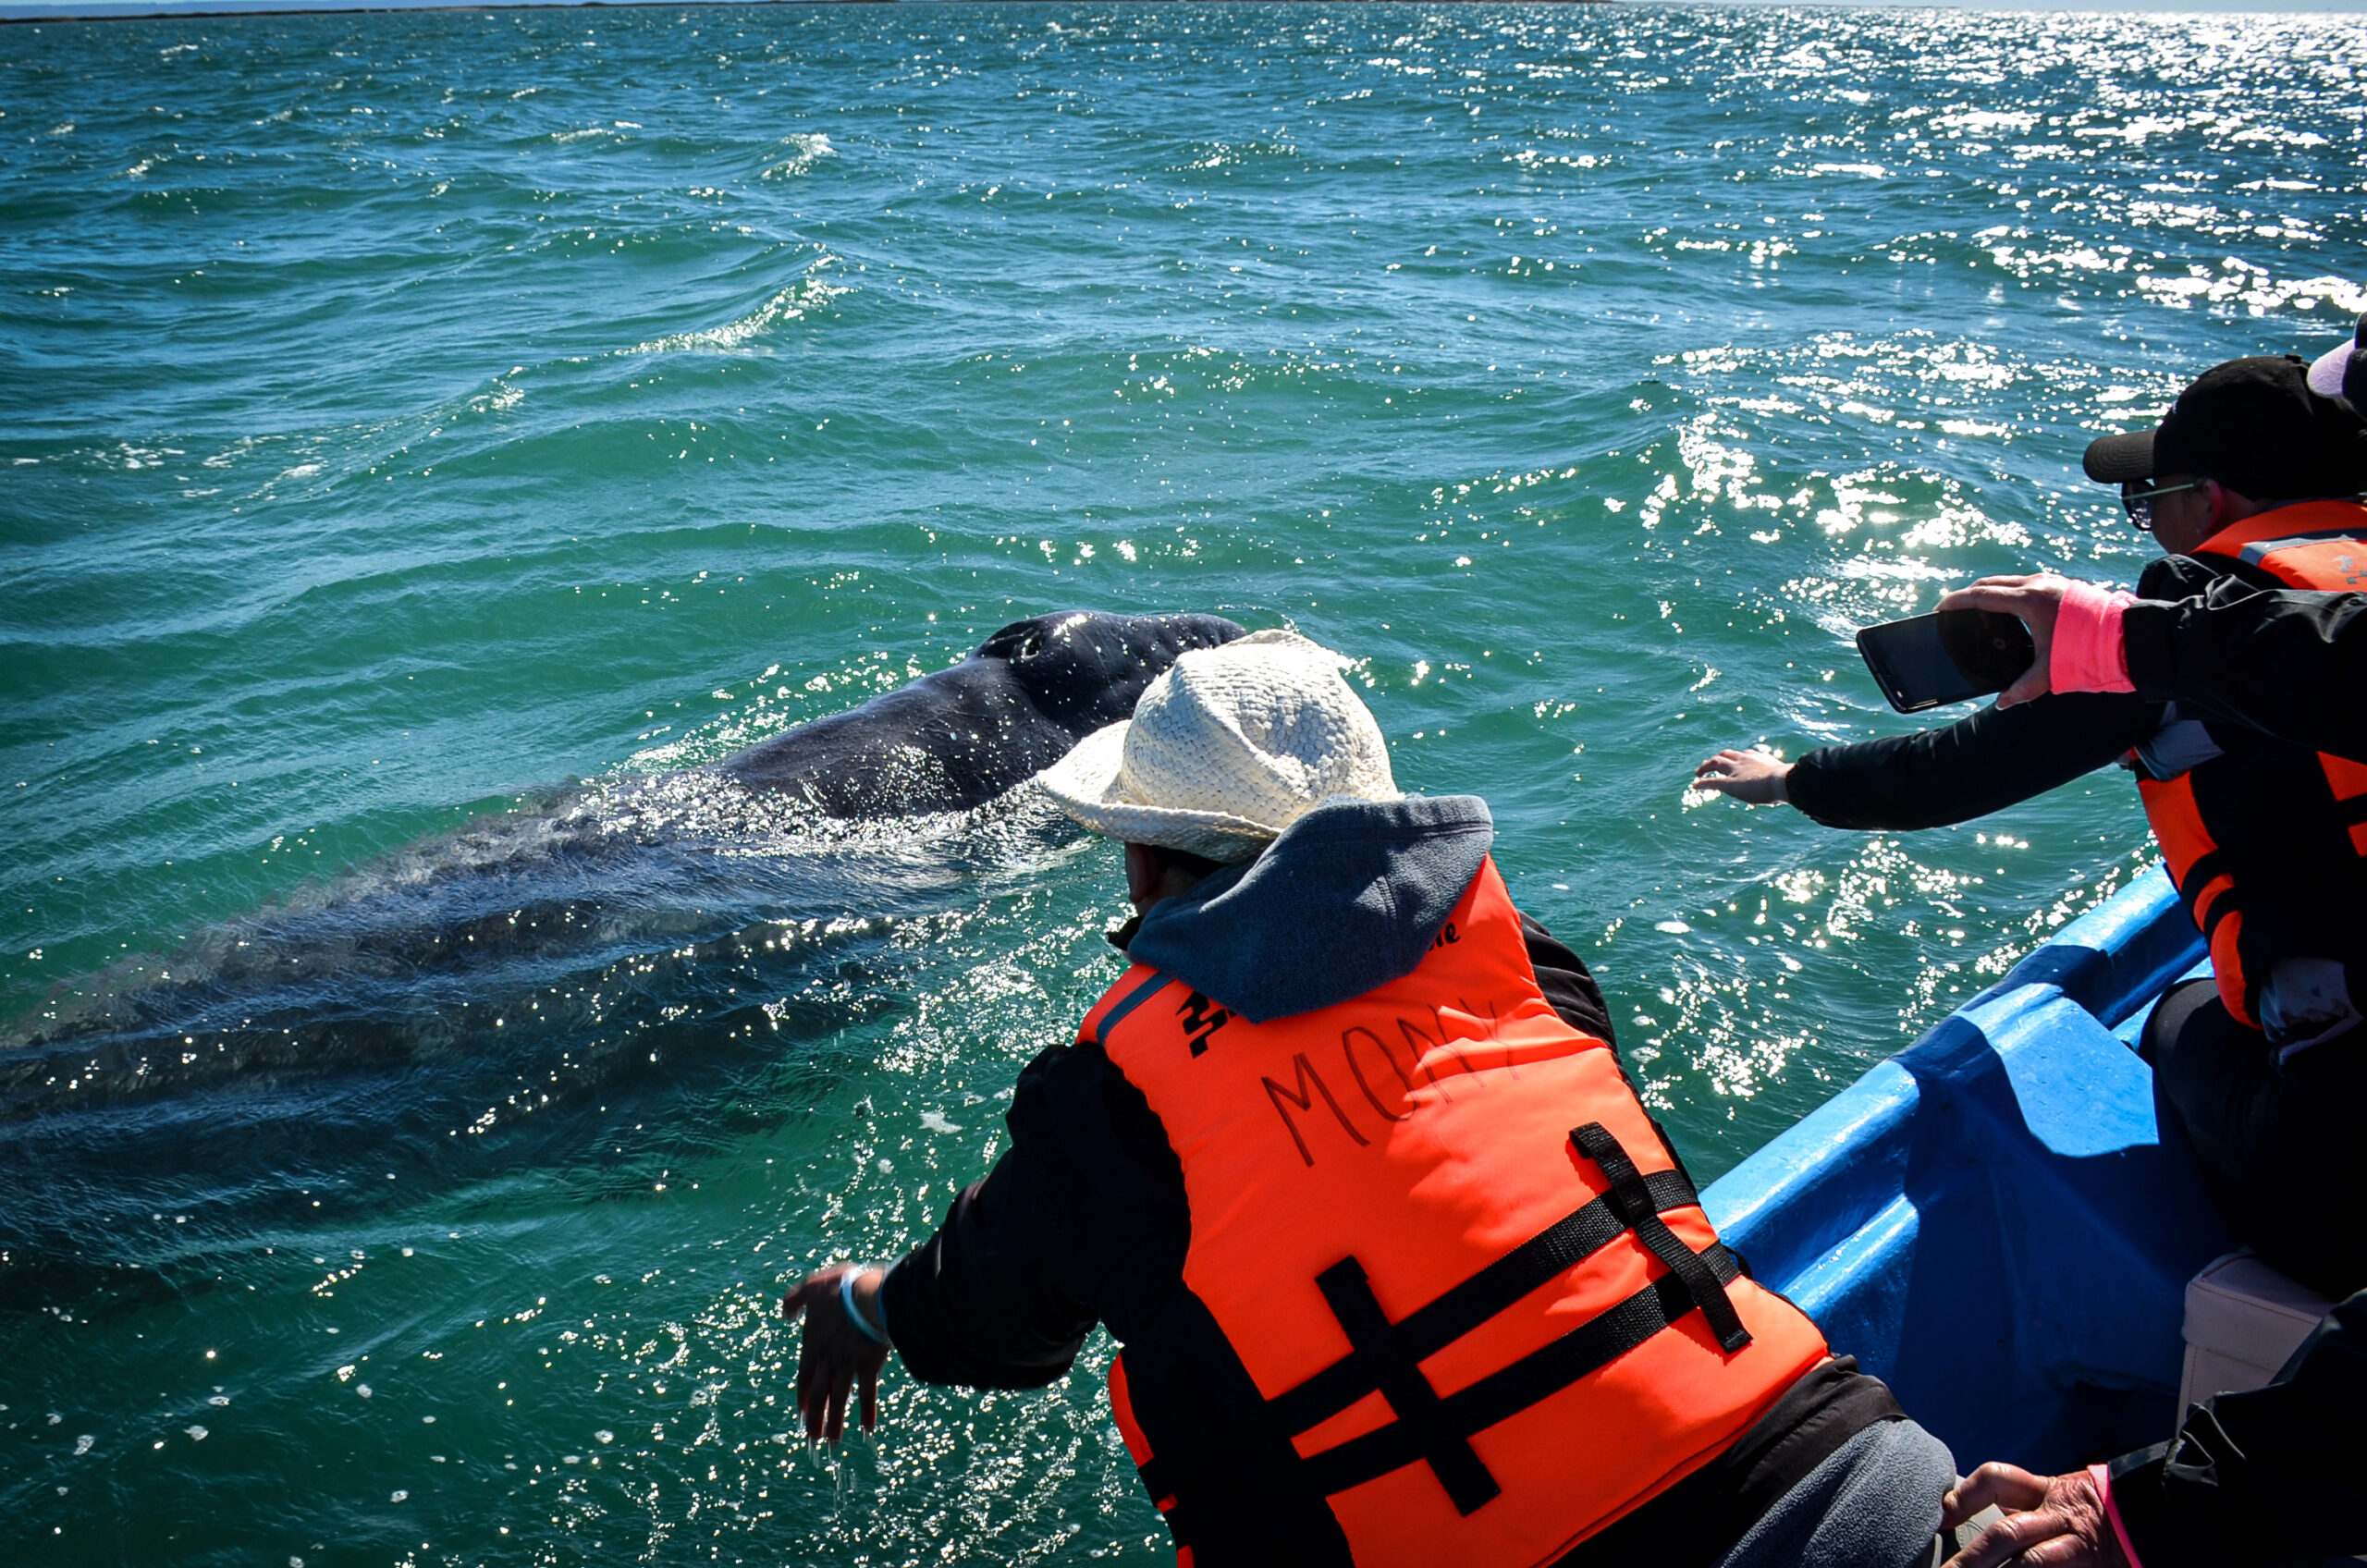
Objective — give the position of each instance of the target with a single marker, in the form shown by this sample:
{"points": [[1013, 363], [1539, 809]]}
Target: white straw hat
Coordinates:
{"points": [[1226, 749]]}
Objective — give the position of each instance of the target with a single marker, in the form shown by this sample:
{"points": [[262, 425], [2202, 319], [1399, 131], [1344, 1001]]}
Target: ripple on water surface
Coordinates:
{"points": [[434, 439]]}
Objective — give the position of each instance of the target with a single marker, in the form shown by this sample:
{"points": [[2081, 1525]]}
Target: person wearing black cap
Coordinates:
{"points": [[2249, 435], [2290, 661], [2272, 1473], [2250, 480]]}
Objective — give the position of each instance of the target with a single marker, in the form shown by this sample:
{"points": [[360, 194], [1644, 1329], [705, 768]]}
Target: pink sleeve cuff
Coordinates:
{"points": [[2088, 654], [2101, 1475]]}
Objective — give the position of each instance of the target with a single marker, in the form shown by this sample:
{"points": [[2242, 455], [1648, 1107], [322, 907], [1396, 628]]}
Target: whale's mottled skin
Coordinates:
{"points": [[958, 737], [539, 984]]}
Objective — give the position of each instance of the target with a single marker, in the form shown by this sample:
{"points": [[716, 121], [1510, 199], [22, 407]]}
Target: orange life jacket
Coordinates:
{"points": [[2317, 544], [1448, 1297]]}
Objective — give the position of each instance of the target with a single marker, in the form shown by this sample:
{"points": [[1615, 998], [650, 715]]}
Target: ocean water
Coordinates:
{"points": [[423, 437]]}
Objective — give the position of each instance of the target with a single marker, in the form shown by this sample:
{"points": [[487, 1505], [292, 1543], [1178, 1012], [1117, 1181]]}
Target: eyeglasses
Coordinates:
{"points": [[2138, 504]]}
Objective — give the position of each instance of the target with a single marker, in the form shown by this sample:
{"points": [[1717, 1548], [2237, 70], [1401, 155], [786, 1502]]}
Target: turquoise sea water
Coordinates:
{"points": [[421, 435]]}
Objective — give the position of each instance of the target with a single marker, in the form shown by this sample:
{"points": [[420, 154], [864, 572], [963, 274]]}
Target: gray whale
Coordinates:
{"points": [[956, 738], [533, 989]]}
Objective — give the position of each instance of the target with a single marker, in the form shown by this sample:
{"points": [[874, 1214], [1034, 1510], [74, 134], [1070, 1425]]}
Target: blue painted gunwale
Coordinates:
{"points": [[1989, 1220]]}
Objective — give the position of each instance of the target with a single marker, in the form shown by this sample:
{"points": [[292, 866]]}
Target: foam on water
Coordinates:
{"points": [[433, 441]]}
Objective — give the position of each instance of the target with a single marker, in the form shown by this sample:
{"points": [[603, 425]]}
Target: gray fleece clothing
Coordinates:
{"points": [[1873, 1504], [1348, 898]]}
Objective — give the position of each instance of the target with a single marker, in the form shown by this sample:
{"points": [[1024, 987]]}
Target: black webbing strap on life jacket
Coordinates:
{"points": [[1431, 1329], [1386, 1358], [1534, 1377], [2208, 867], [1627, 1190], [2210, 864], [1391, 1366]]}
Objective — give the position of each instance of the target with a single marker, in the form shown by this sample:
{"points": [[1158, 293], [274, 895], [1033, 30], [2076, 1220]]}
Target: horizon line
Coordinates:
{"points": [[230, 10]]}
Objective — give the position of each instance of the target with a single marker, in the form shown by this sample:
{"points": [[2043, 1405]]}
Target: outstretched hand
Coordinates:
{"points": [[1754, 777], [2051, 1522], [835, 1358], [2035, 600]]}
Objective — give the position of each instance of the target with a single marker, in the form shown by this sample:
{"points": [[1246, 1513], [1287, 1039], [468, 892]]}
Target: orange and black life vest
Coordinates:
{"points": [[1448, 1297], [2234, 825]]}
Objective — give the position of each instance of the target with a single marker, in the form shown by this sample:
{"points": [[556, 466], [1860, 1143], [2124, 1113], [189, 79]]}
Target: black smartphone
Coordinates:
{"points": [[1929, 659]]}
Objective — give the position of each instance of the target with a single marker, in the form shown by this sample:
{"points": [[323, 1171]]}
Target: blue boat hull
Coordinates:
{"points": [[1989, 1220]]}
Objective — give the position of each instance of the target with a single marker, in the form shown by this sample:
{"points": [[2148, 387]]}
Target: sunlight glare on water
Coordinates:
{"points": [[432, 440]]}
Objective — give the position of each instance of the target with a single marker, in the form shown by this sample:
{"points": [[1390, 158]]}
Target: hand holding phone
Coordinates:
{"points": [[1951, 656], [2035, 599]]}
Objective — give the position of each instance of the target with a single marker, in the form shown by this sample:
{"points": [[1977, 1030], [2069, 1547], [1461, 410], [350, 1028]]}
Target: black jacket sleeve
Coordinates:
{"points": [[2286, 661], [1568, 987], [1985, 763], [1082, 1219], [985, 1301], [1078, 1221], [2276, 1474]]}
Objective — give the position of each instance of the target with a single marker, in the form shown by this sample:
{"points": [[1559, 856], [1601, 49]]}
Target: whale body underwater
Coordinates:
{"points": [[542, 982]]}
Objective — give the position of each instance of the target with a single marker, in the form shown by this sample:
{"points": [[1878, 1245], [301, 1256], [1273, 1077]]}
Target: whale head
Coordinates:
{"points": [[960, 736], [1085, 669]]}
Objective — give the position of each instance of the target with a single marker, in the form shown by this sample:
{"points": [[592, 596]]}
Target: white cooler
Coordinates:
{"points": [[2243, 1321]]}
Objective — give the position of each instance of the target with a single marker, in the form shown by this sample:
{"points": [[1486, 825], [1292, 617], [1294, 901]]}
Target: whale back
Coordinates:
{"points": [[541, 982]]}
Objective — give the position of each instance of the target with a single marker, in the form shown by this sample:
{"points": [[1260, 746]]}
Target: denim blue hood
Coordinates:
{"points": [[1349, 898]]}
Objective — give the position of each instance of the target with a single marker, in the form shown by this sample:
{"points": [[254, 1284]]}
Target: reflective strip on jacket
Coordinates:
{"points": [[1449, 1298]]}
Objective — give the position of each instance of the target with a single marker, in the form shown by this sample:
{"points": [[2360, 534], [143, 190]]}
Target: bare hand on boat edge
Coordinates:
{"points": [[2051, 1521], [1754, 777], [836, 1357]]}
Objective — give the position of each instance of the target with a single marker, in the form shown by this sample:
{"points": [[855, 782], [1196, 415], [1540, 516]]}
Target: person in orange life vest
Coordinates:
{"points": [[1346, 1162], [2250, 482], [2271, 1475], [2276, 1474]]}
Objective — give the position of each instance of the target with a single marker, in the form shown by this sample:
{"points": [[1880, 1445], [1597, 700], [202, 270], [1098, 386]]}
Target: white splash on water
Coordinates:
{"points": [[792, 303], [807, 148]]}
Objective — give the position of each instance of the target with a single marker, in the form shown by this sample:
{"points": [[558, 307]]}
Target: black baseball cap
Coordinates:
{"points": [[2253, 425]]}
